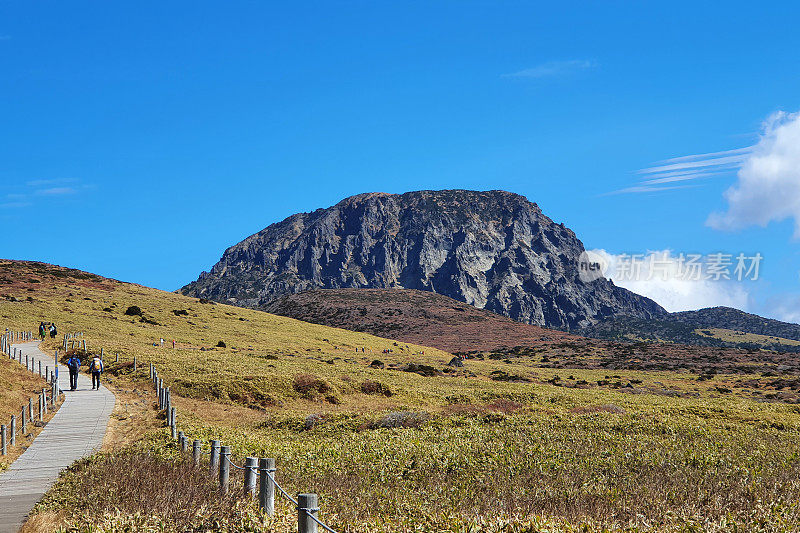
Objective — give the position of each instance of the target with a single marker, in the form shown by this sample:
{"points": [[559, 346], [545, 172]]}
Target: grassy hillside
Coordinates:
{"points": [[563, 437], [746, 331], [261, 356], [741, 337], [733, 319], [415, 316], [17, 385]]}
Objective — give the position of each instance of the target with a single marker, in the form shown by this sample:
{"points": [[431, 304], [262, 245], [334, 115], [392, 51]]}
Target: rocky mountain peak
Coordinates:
{"points": [[495, 250]]}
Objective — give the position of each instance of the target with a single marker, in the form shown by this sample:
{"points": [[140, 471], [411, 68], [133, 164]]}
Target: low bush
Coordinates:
{"points": [[307, 384], [375, 387], [133, 310]]}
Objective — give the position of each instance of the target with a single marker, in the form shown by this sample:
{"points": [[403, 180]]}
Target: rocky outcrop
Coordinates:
{"points": [[494, 250]]}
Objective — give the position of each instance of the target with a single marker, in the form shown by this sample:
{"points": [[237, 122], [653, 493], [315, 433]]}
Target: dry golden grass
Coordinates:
{"points": [[262, 352], [44, 522], [498, 445], [17, 385], [729, 335], [133, 416]]}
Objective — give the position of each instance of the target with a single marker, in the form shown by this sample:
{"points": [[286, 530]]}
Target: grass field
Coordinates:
{"points": [[729, 335], [496, 445], [17, 385]]}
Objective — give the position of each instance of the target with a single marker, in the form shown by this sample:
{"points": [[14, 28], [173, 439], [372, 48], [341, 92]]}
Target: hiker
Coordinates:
{"points": [[53, 331], [73, 364], [96, 367], [162, 342], [41, 330]]}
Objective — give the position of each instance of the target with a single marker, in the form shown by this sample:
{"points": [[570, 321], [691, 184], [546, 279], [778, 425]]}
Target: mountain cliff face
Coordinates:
{"points": [[494, 250]]}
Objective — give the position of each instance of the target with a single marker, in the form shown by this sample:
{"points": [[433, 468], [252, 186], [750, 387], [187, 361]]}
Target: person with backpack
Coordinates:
{"points": [[41, 330], [73, 364], [53, 331], [96, 367]]}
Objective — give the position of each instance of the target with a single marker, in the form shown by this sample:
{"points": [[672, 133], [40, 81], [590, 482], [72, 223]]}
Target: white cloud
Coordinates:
{"points": [[51, 188], [56, 191], [670, 288], [768, 186], [50, 182], [648, 188], [730, 161], [787, 311], [687, 168], [553, 69]]}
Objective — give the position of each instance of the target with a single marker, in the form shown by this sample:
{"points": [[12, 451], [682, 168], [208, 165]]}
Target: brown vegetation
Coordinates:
{"points": [[144, 485], [413, 316], [17, 386]]}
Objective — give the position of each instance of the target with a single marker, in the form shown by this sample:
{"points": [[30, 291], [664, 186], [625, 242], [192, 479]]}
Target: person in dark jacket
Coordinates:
{"points": [[74, 365]]}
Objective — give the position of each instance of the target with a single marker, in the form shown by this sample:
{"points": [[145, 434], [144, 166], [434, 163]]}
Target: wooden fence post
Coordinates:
{"points": [[3, 439], [306, 507], [214, 458], [23, 424], [196, 452], [181, 443], [224, 468], [13, 438], [40, 368], [134, 363], [117, 359], [250, 476], [266, 490], [30, 409], [44, 400]]}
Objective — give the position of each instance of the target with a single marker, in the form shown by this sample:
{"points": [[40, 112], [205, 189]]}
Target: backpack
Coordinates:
{"points": [[97, 365], [73, 363]]}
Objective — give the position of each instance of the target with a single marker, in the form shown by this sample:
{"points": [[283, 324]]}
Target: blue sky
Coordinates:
{"points": [[139, 140]]}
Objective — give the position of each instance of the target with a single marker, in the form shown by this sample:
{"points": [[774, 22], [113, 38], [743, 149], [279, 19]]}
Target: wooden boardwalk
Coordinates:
{"points": [[76, 431]]}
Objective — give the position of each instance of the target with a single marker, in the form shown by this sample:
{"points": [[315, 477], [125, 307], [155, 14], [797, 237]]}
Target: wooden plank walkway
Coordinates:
{"points": [[76, 431]]}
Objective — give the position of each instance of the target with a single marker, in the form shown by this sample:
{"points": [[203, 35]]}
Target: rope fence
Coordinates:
{"points": [[48, 396], [259, 473]]}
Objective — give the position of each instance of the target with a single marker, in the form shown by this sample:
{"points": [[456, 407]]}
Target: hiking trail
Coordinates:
{"points": [[76, 431]]}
